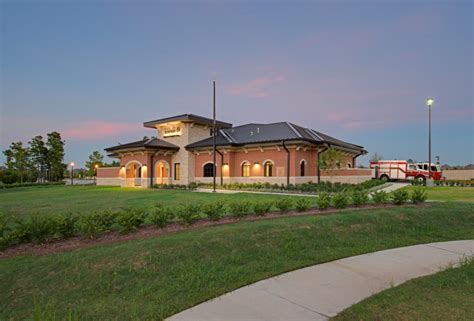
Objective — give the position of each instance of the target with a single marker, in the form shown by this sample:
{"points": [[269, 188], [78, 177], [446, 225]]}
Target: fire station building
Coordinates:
{"points": [[182, 152]]}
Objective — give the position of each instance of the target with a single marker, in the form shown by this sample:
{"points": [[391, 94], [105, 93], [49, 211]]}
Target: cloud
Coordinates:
{"points": [[256, 88], [91, 130]]}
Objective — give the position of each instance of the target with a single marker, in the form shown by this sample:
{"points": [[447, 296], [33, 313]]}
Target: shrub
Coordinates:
{"points": [[93, 223], [340, 200], [284, 204], [323, 201], [21, 231], [359, 198], [418, 195], [130, 219], [64, 225], [215, 211], [262, 208], [189, 213], [42, 228], [160, 215], [192, 185], [303, 204], [399, 196], [380, 197], [240, 209], [3, 224]]}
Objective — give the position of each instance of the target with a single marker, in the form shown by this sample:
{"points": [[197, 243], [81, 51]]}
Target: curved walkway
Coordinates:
{"points": [[321, 291]]}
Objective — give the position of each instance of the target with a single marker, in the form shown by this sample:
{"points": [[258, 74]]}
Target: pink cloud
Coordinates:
{"points": [[256, 88], [90, 130]]}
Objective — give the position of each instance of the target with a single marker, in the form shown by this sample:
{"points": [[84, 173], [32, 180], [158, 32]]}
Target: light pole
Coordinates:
{"points": [[429, 103], [95, 176], [72, 173]]}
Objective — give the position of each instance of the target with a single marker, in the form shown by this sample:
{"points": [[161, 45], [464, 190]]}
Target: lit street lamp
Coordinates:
{"points": [[429, 103], [95, 176], [72, 173]]}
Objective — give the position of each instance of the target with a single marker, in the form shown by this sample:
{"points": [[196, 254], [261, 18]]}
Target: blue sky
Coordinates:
{"points": [[356, 70]]}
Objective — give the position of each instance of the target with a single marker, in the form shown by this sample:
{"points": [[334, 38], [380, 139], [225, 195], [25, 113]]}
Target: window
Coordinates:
{"points": [[208, 170], [349, 165], [434, 168], [177, 171], [245, 169], [302, 166], [268, 169], [412, 167]]}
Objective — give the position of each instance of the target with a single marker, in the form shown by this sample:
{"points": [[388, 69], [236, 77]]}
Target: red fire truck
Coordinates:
{"points": [[402, 170]]}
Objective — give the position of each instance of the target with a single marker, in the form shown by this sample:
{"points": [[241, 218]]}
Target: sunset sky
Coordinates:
{"points": [[356, 70]]}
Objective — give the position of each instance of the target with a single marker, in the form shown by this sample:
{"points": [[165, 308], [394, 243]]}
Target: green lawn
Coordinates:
{"points": [[448, 295], [449, 193], [66, 199], [154, 278]]}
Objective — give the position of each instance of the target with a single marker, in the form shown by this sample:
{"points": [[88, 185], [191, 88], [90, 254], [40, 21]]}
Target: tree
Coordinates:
{"points": [[95, 158], [330, 160], [376, 157], [114, 163], [17, 159], [55, 156], [38, 156]]}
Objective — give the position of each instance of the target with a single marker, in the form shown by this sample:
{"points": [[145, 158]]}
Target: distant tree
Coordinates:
{"points": [[376, 157], [114, 163], [17, 159], [55, 156], [95, 158], [38, 156]]}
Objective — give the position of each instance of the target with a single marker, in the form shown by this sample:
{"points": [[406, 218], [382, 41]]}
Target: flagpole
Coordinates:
{"points": [[214, 138]]}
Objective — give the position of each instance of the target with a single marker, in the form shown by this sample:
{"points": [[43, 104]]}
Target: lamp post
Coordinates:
{"points": [[95, 176], [72, 173], [429, 103]]}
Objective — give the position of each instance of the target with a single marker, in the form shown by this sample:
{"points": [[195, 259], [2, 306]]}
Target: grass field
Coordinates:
{"points": [[448, 295], [449, 193], [154, 278], [66, 199]]}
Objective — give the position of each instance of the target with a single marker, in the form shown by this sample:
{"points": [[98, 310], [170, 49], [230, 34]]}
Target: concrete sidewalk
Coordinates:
{"points": [[322, 291]]}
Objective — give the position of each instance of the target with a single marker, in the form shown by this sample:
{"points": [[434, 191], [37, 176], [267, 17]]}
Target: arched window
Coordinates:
{"points": [[349, 165], [208, 170], [245, 169], [302, 167], [268, 169]]}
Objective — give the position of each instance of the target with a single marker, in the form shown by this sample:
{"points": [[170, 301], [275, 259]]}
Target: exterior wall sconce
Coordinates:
{"points": [[256, 163]]}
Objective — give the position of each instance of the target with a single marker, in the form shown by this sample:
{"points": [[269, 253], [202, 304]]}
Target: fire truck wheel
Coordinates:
{"points": [[384, 178], [421, 178]]}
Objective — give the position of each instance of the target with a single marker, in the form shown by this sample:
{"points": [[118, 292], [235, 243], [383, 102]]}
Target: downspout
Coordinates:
{"points": [[287, 163], [319, 170], [222, 165], [152, 167]]}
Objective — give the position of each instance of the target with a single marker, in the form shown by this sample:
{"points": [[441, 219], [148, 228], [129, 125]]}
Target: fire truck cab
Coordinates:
{"points": [[402, 170]]}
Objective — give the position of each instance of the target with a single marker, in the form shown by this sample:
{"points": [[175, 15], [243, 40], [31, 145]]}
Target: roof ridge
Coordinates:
{"points": [[294, 129]]}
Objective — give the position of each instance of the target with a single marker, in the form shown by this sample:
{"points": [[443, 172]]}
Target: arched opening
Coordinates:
{"points": [[162, 172], [208, 170], [302, 168], [268, 169], [133, 173], [349, 165], [245, 169]]}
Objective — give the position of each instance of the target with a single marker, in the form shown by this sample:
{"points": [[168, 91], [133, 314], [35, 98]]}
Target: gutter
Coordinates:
{"points": [[287, 163]]}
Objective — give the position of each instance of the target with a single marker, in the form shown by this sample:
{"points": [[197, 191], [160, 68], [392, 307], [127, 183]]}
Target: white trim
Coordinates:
{"points": [[303, 160], [208, 162], [268, 160], [133, 161], [245, 161]]}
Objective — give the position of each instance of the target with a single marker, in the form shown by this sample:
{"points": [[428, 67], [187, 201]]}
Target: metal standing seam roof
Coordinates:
{"points": [[153, 142], [266, 133]]}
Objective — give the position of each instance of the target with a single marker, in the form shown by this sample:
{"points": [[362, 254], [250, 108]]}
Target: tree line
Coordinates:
{"points": [[41, 160]]}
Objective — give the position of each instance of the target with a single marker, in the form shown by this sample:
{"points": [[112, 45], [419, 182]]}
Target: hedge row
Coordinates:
{"points": [[42, 228], [447, 182], [14, 185], [309, 188]]}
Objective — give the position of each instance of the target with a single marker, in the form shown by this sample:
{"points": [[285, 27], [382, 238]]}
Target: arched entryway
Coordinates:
{"points": [[134, 173], [162, 172]]}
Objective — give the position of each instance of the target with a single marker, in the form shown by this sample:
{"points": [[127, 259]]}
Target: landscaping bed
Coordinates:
{"points": [[78, 242], [153, 278]]}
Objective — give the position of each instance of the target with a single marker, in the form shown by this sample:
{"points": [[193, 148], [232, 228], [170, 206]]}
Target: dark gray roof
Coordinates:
{"points": [[153, 143], [268, 133], [187, 118]]}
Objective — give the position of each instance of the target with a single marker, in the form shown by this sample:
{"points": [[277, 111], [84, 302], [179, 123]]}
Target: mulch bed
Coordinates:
{"points": [[78, 242]]}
